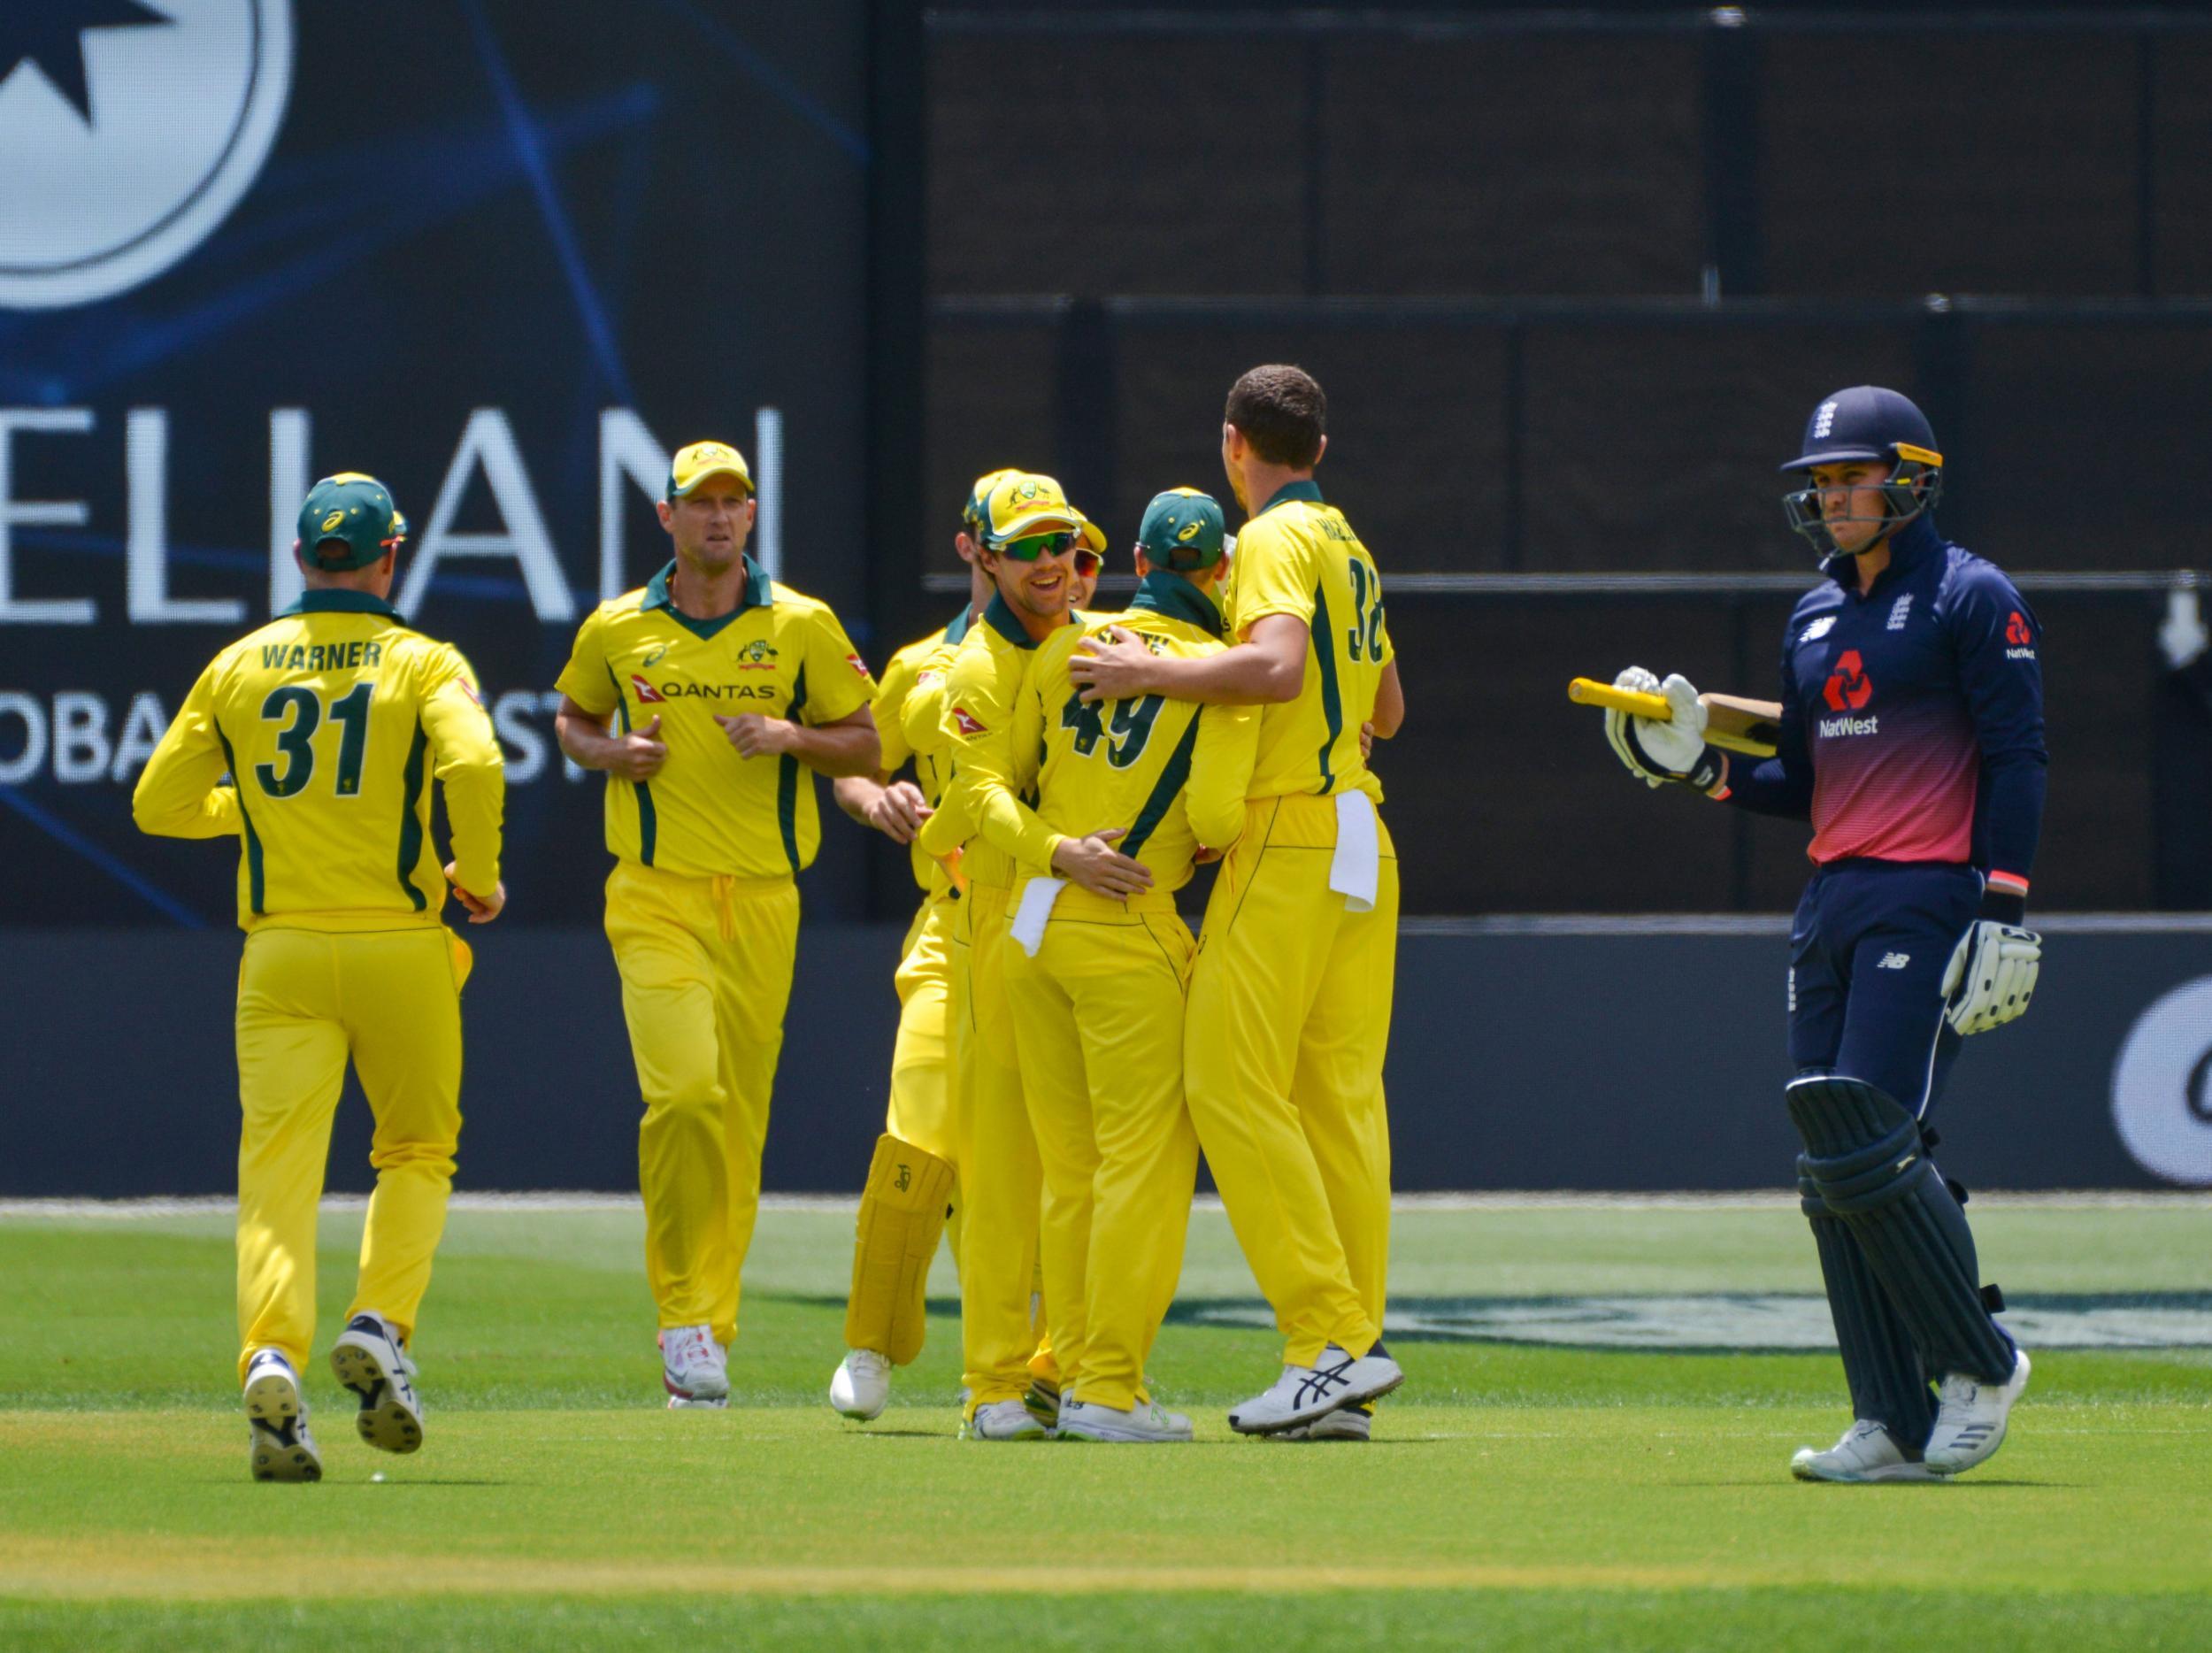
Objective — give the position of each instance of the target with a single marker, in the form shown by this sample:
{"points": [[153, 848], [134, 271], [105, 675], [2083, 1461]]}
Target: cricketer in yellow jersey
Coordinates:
{"points": [[725, 690], [1031, 542], [905, 1197], [911, 1191], [1290, 998], [1096, 983], [330, 722]]}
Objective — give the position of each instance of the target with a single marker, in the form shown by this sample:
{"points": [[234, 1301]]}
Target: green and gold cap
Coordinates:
{"points": [[694, 464], [349, 521], [1182, 530], [1023, 502]]}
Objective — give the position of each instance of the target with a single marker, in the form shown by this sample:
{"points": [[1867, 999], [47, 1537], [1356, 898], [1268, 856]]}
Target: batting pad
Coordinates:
{"points": [[1865, 1158], [1889, 1383], [901, 1214]]}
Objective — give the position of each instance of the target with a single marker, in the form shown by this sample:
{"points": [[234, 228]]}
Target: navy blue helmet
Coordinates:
{"points": [[1868, 422]]}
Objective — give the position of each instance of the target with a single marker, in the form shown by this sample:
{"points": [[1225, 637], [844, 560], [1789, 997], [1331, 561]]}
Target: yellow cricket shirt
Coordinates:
{"points": [[1298, 556], [894, 690], [982, 700], [330, 721], [1171, 773], [710, 812]]}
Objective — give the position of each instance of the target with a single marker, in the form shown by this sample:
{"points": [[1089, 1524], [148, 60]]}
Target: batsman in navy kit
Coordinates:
{"points": [[1911, 736]]}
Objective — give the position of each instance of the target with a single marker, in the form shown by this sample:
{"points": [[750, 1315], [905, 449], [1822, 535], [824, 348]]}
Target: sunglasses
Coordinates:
{"points": [[1086, 563], [1030, 548]]}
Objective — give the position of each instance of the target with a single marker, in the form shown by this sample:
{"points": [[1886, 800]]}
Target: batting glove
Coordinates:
{"points": [[1991, 975], [1670, 753]]}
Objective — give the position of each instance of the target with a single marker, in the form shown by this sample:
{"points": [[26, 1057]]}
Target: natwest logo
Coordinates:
{"points": [[2016, 632], [1848, 687]]}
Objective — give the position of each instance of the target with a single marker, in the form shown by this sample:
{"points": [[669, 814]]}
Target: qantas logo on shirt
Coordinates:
{"points": [[646, 692], [1848, 687], [2018, 633], [858, 663], [966, 722]]}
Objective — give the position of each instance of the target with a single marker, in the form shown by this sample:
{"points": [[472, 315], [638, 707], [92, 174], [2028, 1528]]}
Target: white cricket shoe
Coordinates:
{"points": [[1969, 1424], [371, 1361], [861, 1386], [1303, 1394], [1346, 1423], [276, 1415], [1003, 1420], [1867, 1452], [695, 1368], [1088, 1420]]}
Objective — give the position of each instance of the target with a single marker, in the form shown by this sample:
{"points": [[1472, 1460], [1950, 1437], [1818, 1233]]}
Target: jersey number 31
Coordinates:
{"points": [[300, 712]]}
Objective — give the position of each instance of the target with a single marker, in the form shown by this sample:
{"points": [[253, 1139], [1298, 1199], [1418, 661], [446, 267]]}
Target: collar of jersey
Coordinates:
{"points": [[1305, 487], [1907, 547], [1001, 620], [339, 601], [961, 621], [758, 594], [1164, 591]]}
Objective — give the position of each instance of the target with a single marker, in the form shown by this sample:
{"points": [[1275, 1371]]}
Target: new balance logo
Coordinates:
{"points": [[1894, 961]]}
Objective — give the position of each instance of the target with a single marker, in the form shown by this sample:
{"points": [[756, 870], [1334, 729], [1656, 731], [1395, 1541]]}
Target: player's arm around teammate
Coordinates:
{"points": [[1912, 737], [1096, 984], [1291, 997], [1030, 538], [726, 691], [331, 721]]}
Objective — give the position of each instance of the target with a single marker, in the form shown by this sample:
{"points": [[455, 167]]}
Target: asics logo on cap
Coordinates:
{"points": [[333, 519]]}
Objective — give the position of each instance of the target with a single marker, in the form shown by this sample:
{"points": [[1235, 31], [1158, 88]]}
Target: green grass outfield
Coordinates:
{"points": [[1516, 1494]]}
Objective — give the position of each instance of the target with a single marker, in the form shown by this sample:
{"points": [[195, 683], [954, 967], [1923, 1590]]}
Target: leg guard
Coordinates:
{"points": [[901, 1214], [1889, 1383], [1865, 1159]]}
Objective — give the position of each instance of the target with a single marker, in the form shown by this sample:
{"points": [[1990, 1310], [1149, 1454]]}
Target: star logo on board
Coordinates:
{"points": [[49, 35], [129, 129]]}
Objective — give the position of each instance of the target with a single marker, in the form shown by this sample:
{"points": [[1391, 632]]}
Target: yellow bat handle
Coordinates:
{"points": [[1587, 691]]}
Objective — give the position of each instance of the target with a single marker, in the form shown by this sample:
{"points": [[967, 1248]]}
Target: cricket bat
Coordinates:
{"points": [[1731, 723]]}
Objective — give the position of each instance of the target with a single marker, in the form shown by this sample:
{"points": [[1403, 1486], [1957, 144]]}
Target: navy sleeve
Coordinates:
{"points": [[1997, 642], [1783, 784]]}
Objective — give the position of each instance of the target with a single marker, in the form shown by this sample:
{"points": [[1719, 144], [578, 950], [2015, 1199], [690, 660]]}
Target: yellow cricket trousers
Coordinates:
{"points": [[1289, 1021], [706, 973], [921, 1110], [1001, 1181], [1098, 1017], [921, 1059], [307, 1001]]}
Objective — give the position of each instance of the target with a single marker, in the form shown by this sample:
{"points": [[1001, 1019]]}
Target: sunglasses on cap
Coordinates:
{"points": [[1031, 547]]}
